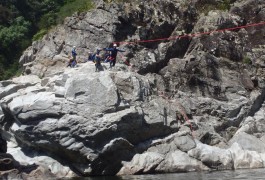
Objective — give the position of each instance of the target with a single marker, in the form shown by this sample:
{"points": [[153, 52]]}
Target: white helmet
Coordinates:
{"points": [[114, 45], [74, 47]]}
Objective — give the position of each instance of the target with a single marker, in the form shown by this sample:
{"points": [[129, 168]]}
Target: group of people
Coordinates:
{"points": [[110, 56]]}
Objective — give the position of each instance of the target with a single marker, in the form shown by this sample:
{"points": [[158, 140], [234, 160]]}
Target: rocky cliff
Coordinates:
{"points": [[127, 120]]}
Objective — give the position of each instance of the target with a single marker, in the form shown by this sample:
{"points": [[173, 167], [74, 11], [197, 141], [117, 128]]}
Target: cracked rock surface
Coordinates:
{"points": [[189, 104]]}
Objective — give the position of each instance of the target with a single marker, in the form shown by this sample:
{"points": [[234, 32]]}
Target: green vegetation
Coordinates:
{"points": [[39, 34], [225, 5], [22, 21], [53, 18], [74, 6], [246, 60], [13, 39], [205, 5], [119, 1], [10, 36]]}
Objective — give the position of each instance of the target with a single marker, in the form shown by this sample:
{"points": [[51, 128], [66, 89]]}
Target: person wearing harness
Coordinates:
{"points": [[97, 60], [113, 54], [179, 118], [74, 54], [70, 62]]}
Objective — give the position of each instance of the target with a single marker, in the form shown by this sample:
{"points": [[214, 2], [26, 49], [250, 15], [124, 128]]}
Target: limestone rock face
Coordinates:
{"points": [[191, 103], [48, 56], [88, 121], [248, 142], [213, 157], [245, 158], [165, 155]]}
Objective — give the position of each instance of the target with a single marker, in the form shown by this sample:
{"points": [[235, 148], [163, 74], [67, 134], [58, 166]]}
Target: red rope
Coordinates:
{"points": [[182, 111], [179, 37], [184, 36], [191, 35], [124, 60]]}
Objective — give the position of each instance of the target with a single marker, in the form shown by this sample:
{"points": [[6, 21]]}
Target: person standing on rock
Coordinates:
{"points": [[74, 54], [113, 54], [179, 118], [97, 60], [70, 62]]}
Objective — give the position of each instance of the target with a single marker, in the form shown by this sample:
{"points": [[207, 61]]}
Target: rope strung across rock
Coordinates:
{"points": [[184, 36], [182, 111], [179, 37], [191, 35], [162, 94]]}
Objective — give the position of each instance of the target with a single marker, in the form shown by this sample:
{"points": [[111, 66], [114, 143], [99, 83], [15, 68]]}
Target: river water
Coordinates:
{"points": [[257, 174]]}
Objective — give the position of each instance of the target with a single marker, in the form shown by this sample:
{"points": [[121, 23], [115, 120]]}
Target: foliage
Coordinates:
{"points": [[13, 34], [22, 21], [119, 1], [247, 60], [47, 20], [225, 5], [57, 15], [205, 5], [13, 40], [39, 35], [12, 70], [73, 6], [5, 15]]}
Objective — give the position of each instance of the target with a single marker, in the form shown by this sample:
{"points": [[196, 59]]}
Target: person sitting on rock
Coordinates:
{"points": [[90, 57], [113, 54]]}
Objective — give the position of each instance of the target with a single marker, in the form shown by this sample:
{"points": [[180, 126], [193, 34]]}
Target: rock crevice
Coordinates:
{"points": [[184, 104]]}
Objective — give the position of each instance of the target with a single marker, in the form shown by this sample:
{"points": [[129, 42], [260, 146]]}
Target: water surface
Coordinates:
{"points": [[257, 174]]}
